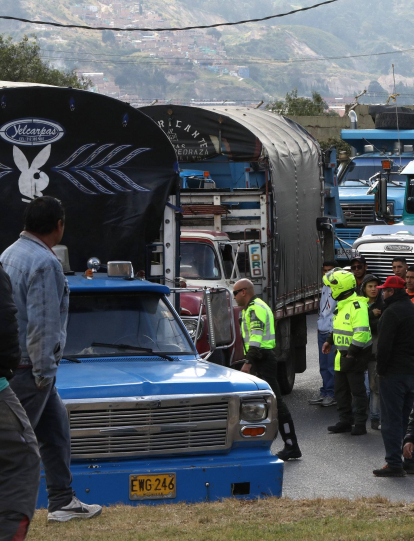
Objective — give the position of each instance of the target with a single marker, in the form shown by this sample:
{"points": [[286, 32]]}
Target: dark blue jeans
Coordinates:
{"points": [[326, 367], [49, 420], [397, 398]]}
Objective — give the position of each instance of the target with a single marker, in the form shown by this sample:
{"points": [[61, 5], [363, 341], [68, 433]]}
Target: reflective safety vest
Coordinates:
{"points": [[258, 325], [351, 327]]}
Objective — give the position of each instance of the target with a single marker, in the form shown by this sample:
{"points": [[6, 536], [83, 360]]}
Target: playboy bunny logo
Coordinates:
{"points": [[32, 181]]}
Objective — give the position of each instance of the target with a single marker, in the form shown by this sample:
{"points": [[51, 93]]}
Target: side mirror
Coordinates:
{"points": [[220, 319], [324, 223], [382, 198]]}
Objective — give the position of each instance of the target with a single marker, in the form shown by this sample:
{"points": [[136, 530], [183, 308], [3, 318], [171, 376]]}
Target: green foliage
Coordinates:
{"points": [[108, 38], [336, 142], [215, 33], [21, 62], [147, 81], [296, 106]]}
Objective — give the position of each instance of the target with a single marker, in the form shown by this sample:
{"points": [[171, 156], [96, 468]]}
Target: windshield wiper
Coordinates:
{"points": [[132, 348], [71, 358], [364, 182]]}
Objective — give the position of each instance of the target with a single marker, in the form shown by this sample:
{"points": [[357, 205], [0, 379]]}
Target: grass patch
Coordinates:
{"points": [[368, 519]]}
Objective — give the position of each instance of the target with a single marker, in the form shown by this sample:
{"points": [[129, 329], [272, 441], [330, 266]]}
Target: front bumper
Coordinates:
{"points": [[243, 473]]}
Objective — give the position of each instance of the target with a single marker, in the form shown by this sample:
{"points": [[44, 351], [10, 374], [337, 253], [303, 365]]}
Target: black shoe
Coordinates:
{"points": [[340, 427], [375, 424], [390, 471], [408, 467], [358, 430], [289, 451]]}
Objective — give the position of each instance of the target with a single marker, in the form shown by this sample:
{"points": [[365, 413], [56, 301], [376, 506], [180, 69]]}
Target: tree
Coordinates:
{"points": [[296, 106], [341, 146], [108, 37], [215, 33], [21, 62]]}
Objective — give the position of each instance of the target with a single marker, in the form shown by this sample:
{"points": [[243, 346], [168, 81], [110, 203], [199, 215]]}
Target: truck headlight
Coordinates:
{"points": [[191, 326], [253, 411]]}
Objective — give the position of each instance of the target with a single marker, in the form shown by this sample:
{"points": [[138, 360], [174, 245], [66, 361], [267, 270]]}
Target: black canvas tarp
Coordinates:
{"points": [[110, 165], [293, 156]]}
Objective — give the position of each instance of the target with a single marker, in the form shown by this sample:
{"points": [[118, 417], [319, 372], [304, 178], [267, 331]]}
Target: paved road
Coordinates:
{"points": [[333, 465]]}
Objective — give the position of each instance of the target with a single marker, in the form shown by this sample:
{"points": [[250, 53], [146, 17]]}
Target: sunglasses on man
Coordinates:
{"points": [[237, 291], [357, 267]]}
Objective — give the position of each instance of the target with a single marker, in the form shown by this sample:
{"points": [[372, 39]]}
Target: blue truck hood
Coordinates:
{"points": [[142, 376], [359, 195]]}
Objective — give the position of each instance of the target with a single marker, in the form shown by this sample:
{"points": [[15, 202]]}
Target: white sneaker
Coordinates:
{"points": [[328, 401], [74, 509]]}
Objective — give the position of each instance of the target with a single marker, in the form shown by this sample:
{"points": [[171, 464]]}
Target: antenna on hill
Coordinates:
{"points": [[394, 97]]}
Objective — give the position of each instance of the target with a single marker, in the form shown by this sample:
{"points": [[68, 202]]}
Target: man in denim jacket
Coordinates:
{"points": [[41, 294], [327, 306]]}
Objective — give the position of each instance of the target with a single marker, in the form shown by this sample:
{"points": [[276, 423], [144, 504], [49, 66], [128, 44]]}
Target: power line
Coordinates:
{"points": [[174, 29], [228, 59]]}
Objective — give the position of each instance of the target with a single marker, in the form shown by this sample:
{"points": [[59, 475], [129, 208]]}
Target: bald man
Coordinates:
{"points": [[258, 332]]}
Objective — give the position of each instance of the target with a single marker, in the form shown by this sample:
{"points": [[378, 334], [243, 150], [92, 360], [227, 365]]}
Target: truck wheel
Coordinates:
{"points": [[286, 374]]}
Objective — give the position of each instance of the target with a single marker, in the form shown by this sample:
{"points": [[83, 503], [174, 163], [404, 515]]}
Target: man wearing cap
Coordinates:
{"points": [[359, 269], [395, 368]]}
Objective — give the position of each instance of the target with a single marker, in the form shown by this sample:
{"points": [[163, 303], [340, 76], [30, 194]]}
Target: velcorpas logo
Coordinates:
{"points": [[31, 132], [398, 248]]}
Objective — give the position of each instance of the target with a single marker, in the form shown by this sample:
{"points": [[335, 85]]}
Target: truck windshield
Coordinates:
{"points": [[199, 261], [137, 319], [357, 173], [399, 229]]}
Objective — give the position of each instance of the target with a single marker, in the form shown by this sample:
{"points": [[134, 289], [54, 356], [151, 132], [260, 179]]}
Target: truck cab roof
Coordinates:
{"points": [[209, 234], [78, 283]]}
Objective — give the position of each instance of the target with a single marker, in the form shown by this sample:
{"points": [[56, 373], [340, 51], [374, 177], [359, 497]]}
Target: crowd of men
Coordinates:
{"points": [[363, 326], [365, 333]]}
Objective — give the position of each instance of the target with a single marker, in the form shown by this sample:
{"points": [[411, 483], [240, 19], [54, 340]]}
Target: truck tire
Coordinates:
{"points": [[299, 339], [388, 121]]}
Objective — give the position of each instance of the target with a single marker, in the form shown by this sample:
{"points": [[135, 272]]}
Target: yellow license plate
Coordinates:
{"points": [[152, 487]]}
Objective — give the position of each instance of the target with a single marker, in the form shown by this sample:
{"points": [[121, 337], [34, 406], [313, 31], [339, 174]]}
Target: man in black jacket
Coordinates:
{"points": [[19, 454], [408, 450], [395, 368]]}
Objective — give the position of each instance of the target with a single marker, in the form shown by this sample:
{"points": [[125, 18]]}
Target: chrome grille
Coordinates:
{"points": [[358, 214], [380, 263], [131, 429], [348, 235], [135, 445]]}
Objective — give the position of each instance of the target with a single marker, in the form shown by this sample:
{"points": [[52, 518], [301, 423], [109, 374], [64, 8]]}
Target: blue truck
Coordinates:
{"points": [[381, 243], [391, 139], [151, 422], [253, 184]]}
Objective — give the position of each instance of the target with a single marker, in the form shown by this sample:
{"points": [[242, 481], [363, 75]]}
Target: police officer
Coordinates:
{"points": [[258, 332], [352, 338]]}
